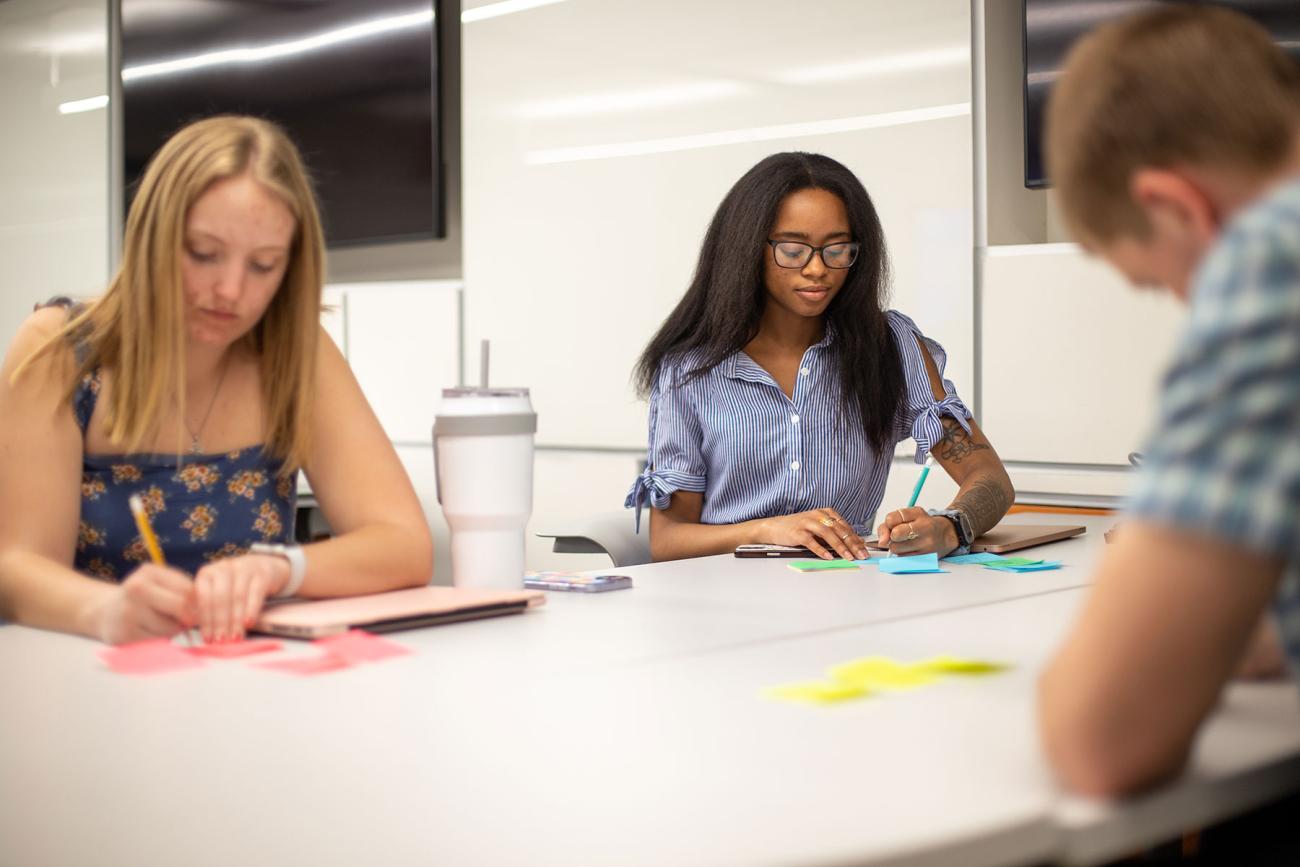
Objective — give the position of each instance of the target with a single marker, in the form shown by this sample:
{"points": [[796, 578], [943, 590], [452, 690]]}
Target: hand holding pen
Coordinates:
{"points": [[913, 530]]}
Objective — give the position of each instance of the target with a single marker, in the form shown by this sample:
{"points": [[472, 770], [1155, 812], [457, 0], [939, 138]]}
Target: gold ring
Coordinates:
{"points": [[911, 533], [828, 522]]}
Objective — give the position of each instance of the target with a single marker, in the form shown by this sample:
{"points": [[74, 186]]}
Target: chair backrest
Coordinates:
{"points": [[612, 533], [615, 532]]}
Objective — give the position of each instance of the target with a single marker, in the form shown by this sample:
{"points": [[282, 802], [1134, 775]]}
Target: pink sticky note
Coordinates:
{"points": [[233, 649], [148, 657], [307, 665], [358, 646]]}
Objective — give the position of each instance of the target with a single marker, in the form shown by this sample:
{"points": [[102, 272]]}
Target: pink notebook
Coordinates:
{"points": [[388, 612]]}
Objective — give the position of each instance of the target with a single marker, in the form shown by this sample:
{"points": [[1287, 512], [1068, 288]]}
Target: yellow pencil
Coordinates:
{"points": [[150, 540], [146, 530]]}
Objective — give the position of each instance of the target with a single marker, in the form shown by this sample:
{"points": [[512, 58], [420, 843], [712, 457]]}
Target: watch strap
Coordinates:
{"points": [[297, 565], [963, 543]]}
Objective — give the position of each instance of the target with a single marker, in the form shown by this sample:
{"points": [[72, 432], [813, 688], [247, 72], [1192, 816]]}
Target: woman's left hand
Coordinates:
{"points": [[914, 531], [231, 593]]}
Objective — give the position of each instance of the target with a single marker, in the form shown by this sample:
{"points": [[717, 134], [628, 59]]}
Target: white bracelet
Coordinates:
{"points": [[297, 564]]}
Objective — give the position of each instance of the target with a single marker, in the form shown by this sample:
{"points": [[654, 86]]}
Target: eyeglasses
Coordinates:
{"points": [[797, 254]]}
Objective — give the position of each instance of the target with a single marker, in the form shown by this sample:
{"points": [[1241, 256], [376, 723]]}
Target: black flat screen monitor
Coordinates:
{"points": [[354, 82], [1052, 26]]}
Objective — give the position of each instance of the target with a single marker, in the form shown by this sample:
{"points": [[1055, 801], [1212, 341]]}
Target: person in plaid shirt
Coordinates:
{"points": [[1173, 138]]}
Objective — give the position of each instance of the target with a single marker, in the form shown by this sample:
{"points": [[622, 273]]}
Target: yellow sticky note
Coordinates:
{"points": [[955, 665], [879, 672], [816, 692]]}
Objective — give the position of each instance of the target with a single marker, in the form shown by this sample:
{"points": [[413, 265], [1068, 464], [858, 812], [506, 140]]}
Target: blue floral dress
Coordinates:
{"points": [[202, 507]]}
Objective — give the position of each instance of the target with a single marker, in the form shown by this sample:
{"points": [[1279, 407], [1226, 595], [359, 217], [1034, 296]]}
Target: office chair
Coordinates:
{"points": [[611, 533]]}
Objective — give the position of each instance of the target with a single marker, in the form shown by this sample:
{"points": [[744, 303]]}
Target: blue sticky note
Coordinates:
{"points": [[910, 565], [981, 557]]}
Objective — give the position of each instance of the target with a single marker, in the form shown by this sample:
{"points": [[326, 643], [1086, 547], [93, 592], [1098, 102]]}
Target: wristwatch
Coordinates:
{"points": [[961, 524], [297, 564]]}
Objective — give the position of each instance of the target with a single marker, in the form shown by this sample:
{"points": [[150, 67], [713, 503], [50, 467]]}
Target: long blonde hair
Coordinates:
{"points": [[137, 327]]}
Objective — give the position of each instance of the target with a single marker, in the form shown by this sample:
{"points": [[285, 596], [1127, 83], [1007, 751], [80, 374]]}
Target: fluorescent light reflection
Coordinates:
{"points": [[743, 136], [885, 65], [631, 100], [505, 7], [262, 53], [77, 106]]}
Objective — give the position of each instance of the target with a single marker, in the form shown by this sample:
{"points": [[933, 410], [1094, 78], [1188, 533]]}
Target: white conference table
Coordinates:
{"points": [[620, 728]]}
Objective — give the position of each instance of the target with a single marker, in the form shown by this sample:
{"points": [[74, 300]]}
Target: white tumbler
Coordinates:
{"points": [[483, 463]]}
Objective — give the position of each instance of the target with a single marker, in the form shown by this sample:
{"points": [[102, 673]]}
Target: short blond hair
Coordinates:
{"points": [[137, 328], [1180, 85]]}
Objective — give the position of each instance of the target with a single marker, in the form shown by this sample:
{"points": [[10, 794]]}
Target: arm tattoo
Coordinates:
{"points": [[985, 502], [956, 443]]}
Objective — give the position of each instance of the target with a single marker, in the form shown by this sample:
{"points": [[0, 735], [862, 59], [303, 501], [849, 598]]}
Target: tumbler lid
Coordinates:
{"points": [[475, 391]]}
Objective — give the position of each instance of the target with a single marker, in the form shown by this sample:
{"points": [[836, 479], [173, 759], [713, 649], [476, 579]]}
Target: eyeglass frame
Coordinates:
{"points": [[815, 251]]}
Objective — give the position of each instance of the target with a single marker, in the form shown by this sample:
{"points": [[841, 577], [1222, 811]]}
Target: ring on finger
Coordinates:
{"points": [[828, 522], [911, 533]]}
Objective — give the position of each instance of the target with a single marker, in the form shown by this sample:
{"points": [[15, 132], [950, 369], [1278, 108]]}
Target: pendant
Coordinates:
{"points": [[194, 445]]}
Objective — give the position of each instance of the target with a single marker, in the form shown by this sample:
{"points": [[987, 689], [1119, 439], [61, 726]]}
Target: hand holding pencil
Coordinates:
{"points": [[155, 601]]}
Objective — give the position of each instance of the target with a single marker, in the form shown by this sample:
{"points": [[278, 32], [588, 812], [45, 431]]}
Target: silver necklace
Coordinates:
{"points": [[195, 449]]}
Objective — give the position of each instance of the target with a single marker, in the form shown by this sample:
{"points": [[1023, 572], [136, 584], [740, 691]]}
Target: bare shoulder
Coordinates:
{"points": [[35, 332], [39, 327], [331, 367]]}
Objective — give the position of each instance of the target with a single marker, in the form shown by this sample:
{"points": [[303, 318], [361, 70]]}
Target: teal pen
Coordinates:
{"points": [[920, 483]]}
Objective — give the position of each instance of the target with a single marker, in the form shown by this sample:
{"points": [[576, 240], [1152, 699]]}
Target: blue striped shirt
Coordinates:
{"points": [[733, 435], [1225, 458]]}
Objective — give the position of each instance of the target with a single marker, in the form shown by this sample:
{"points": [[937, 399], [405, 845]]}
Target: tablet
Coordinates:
{"points": [[1013, 537], [389, 612]]}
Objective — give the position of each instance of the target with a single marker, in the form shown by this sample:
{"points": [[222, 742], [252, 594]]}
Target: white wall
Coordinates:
{"points": [[53, 167], [1070, 356], [573, 259]]}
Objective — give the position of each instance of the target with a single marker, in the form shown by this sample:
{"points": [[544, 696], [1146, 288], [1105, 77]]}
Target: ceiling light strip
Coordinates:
{"points": [[743, 136], [505, 7]]}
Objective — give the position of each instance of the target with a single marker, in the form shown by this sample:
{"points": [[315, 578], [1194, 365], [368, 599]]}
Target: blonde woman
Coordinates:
{"points": [[200, 381]]}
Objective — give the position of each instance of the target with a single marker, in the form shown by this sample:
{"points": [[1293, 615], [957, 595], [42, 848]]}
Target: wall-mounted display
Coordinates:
{"points": [[1053, 26], [354, 82]]}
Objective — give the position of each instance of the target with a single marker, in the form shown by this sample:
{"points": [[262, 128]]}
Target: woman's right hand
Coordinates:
{"points": [[153, 602], [816, 530]]}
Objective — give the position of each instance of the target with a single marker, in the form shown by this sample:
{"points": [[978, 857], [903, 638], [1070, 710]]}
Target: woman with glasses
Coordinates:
{"points": [[779, 386]]}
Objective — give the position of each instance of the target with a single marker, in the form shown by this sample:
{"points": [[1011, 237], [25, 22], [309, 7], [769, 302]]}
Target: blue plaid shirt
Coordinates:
{"points": [[1225, 457]]}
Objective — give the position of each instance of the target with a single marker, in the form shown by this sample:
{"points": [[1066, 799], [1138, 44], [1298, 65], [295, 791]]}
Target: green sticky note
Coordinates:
{"points": [[816, 692], [821, 565], [954, 665], [1040, 566], [1015, 561], [879, 672]]}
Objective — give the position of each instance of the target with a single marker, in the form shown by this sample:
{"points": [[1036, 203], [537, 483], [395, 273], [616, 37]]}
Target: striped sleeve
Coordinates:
{"points": [[675, 461], [921, 415], [1225, 457]]}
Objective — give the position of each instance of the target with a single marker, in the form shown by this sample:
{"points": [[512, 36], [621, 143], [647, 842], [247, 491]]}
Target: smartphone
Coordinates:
{"points": [[773, 551], [576, 582]]}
